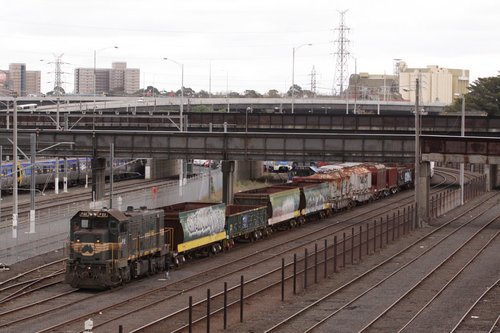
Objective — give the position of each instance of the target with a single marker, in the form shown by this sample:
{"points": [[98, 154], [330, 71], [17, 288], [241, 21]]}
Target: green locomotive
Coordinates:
{"points": [[110, 247]]}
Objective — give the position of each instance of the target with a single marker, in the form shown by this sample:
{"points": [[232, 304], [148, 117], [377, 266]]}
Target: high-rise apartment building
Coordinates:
{"points": [[118, 80], [17, 80], [33, 82], [132, 80], [84, 81]]}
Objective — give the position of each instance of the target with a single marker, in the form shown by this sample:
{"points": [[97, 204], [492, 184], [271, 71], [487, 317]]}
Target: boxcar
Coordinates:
{"points": [[392, 179], [379, 179]]}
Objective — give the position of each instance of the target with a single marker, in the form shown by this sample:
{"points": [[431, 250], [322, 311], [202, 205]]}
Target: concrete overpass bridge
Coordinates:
{"points": [[76, 103]]}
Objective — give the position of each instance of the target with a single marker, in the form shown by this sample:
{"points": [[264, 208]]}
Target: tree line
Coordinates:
{"points": [[483, 95], [189, 92]]}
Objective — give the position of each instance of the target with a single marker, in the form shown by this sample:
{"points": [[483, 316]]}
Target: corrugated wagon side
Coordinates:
{"points": [[340, 195], [282, 203], [314, 198], [246, 222], [392, 179]]}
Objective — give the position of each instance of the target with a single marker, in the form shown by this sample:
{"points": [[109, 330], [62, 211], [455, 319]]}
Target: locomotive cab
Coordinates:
{"points": [[92, 237], [110, 247], [94, 248]]}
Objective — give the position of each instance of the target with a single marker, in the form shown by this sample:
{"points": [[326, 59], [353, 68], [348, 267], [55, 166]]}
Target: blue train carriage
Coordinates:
{"points": [[198, 229], [6, 179], [246, 222], [45, 171], [314, 199], [283, 204], [109, 247]]}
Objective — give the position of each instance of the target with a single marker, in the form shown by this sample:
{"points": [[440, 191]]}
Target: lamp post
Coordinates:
{"points": [[417, 153], [293, 72], [181, 124], [14, 173], [227, 90], [182, 93], [95, 69], [462, 134], [462, 171]]}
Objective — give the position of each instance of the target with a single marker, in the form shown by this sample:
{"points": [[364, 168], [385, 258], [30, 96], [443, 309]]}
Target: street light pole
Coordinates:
{"points": [[293, 73], [293, 78], [181, 125], [227, 90], [417, 153], [95, 76], [95, 69], [14, 173], [462, 167]]}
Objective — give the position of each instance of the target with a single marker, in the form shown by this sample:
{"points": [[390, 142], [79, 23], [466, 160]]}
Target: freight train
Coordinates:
{"points": [[78, 172], [109, 247]]}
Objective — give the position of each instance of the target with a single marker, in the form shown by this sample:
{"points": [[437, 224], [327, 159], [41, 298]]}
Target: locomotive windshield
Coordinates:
{"points": [[90, 223]]}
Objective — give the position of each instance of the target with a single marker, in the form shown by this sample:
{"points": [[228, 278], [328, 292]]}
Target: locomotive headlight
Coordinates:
{"points": [[98, 241], [78, 240]]}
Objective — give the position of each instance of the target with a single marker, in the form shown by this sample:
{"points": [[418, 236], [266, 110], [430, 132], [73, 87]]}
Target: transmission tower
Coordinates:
{"points": [[313, 81], [58, 89], [342, 56]]}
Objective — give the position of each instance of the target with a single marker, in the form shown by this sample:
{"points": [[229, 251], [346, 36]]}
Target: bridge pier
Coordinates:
{"points": [[98, 178], [491, 172], [227, 168], [248, 170], [422, 195], [157, 168]]}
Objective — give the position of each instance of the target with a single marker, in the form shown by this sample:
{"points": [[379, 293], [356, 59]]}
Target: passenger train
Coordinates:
{"points": [[109, 247], [78, 172]]}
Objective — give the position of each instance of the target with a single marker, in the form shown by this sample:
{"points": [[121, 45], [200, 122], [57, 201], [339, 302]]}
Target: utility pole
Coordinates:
{"points": [[14, 174], [462, 166], [417, 153], [32, 183]]}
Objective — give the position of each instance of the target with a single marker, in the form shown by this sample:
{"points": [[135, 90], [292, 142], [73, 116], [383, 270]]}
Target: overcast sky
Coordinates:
{"points": [[248, 43]]}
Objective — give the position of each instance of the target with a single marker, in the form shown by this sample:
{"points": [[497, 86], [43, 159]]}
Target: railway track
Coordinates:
{"points": [[479, 317], [192, 280], [14, 286], [201, 276], [177, 289], [371, 296]]}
